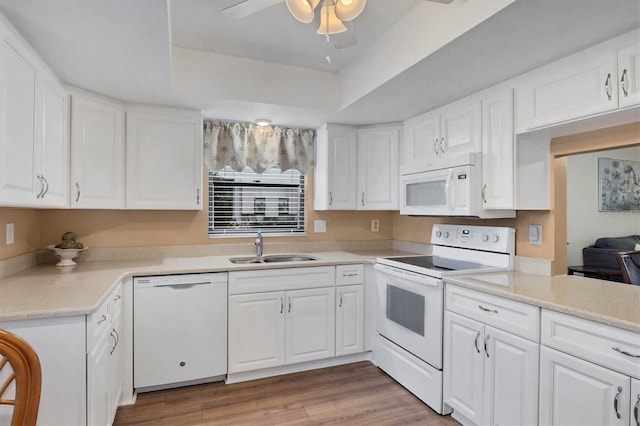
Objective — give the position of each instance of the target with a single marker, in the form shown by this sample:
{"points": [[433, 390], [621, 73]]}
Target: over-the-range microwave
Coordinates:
{"points": [[453, 187]]}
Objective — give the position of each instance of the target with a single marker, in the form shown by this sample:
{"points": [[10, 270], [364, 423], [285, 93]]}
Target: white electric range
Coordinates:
{"points": [[410, 302]]}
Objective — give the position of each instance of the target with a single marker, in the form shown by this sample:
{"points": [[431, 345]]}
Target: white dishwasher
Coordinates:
{"points": [[180, 330]]}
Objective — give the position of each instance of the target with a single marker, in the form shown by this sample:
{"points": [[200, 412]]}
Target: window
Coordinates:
{"points": [[246, 202]]}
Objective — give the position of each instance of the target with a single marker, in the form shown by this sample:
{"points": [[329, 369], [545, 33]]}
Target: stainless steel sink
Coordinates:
{"points": [[273, 258]]}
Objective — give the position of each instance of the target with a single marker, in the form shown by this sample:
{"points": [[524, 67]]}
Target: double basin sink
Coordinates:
{"points": [[273, 258]]}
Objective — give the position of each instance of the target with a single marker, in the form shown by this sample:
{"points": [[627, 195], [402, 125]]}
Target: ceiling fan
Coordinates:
{"points": [[336, 16]]}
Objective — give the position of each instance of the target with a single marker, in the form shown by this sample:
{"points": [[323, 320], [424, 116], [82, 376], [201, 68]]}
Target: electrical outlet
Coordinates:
{"points": [[535, 235], [319, 226], [375, 225], [10, 233]]}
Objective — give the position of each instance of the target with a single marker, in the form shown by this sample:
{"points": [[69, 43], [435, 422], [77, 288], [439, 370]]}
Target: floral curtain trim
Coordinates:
{"points": [[241, 145]]}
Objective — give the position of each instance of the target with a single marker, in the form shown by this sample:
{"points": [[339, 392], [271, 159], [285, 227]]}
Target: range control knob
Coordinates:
{"points": [[445, 235], [438, 234], [485, 237], [495, 238]]}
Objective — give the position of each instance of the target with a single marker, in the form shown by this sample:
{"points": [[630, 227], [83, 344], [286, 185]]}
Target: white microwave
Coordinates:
{"points": [[453, 189]]}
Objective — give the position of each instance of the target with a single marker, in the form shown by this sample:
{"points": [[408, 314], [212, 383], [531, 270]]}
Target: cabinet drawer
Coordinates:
{"points": [[514, 317], [592, 341], [98, 325], [242, 282], [349, 274]]}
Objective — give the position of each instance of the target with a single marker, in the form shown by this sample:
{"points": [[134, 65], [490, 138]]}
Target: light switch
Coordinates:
{"points": [[10, 233], [319, 226], [535, 234]]}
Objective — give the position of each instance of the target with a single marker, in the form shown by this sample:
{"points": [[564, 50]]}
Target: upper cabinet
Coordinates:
{"points": [[443, 133], [591, 82], [164, 159], [97, 152], [356, 169], [33, 137]]}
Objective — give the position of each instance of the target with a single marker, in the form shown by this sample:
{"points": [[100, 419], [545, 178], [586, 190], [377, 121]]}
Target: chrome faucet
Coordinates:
{"points": [[258, 244]]}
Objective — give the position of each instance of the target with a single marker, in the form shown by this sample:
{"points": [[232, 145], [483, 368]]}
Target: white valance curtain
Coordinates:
{"points": [[241, 145]]}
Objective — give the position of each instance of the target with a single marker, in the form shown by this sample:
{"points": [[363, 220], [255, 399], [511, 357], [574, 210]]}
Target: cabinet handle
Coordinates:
{"points": [[352, 274], [476, 342], [636, 408], [607, 86], [330, 198], [484, 193], [117, 336], [198, 196], [486, 340], [46, 186], [101, 320], [289, 311], [617, 349], [118, 297], [443, 147], [615, 402], [435, 147], [115, 343], [363, 199], [340, 304], [281, 304], [623, 83], [77, 191], [41, 186], [487, 310]]}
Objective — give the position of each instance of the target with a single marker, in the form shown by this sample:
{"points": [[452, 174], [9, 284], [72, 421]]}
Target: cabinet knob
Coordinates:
{"points": [[182, 363]]}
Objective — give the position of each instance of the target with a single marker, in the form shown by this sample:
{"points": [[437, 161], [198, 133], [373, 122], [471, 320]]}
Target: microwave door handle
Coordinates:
{"points": [[451, 199]]}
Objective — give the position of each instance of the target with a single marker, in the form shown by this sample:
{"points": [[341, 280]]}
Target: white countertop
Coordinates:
{"points": [[607, 302], [48, 291]]}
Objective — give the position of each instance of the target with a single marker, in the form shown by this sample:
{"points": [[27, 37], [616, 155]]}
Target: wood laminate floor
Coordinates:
{"points": [[352, 394]]}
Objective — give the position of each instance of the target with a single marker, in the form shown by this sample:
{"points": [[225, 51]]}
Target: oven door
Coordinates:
{"points": [[409, 312]]}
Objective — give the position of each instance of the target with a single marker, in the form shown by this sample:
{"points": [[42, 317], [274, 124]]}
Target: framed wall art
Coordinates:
{"points": [[618, 185]]}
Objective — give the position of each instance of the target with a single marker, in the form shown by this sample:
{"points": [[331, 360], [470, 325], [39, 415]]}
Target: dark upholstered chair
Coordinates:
{"points": [[629, 262]]}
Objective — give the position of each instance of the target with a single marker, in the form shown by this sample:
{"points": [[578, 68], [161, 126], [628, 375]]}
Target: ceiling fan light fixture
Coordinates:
{"points": [[262, 122], [347, 10], [302, 10], [329, 22]]}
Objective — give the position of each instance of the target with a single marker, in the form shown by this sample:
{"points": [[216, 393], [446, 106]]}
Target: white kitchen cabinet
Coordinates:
{"points": [[378, 168], [356, 169], [490, 366], [34, 149], [441, 134], [97, 152], [310, 325], [629, 76], [349, 319], [577, 392], [498, 179], [104, 364], [335, 185], [164, 159]]}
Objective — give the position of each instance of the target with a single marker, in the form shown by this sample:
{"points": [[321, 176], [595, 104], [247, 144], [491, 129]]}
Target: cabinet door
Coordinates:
{"points": [[378, 169], [18, 182], [421, 143], [97, 153], [350, 319], [99, 369], [53, 145], [464, 366], [310, 330], [511, 379], [256, 331], [335, 172], [629, 76], [572, 88], [577, 392], [497, 151], [116, 361], [164, 160], [635, 403], [460, 130]]}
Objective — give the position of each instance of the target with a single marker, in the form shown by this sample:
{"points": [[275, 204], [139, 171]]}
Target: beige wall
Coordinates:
{"points": [[123, 228]]}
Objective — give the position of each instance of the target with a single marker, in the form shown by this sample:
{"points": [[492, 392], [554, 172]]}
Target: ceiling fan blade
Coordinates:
{"points": [[345, 39], [245, 8]]}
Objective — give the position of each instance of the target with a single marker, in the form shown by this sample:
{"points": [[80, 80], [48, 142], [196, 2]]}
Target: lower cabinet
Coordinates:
{"points": [[281, 327], [492, 375]]}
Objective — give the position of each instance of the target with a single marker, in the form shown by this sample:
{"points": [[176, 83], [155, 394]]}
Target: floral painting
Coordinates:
{"points": [[619, 185]]}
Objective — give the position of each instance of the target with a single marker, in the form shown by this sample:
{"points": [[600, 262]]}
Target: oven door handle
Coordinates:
{"points": [[421, 279]]}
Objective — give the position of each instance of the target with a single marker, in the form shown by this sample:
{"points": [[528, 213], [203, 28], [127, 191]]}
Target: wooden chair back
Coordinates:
{"points": [[629, 262], [20, 371]]}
